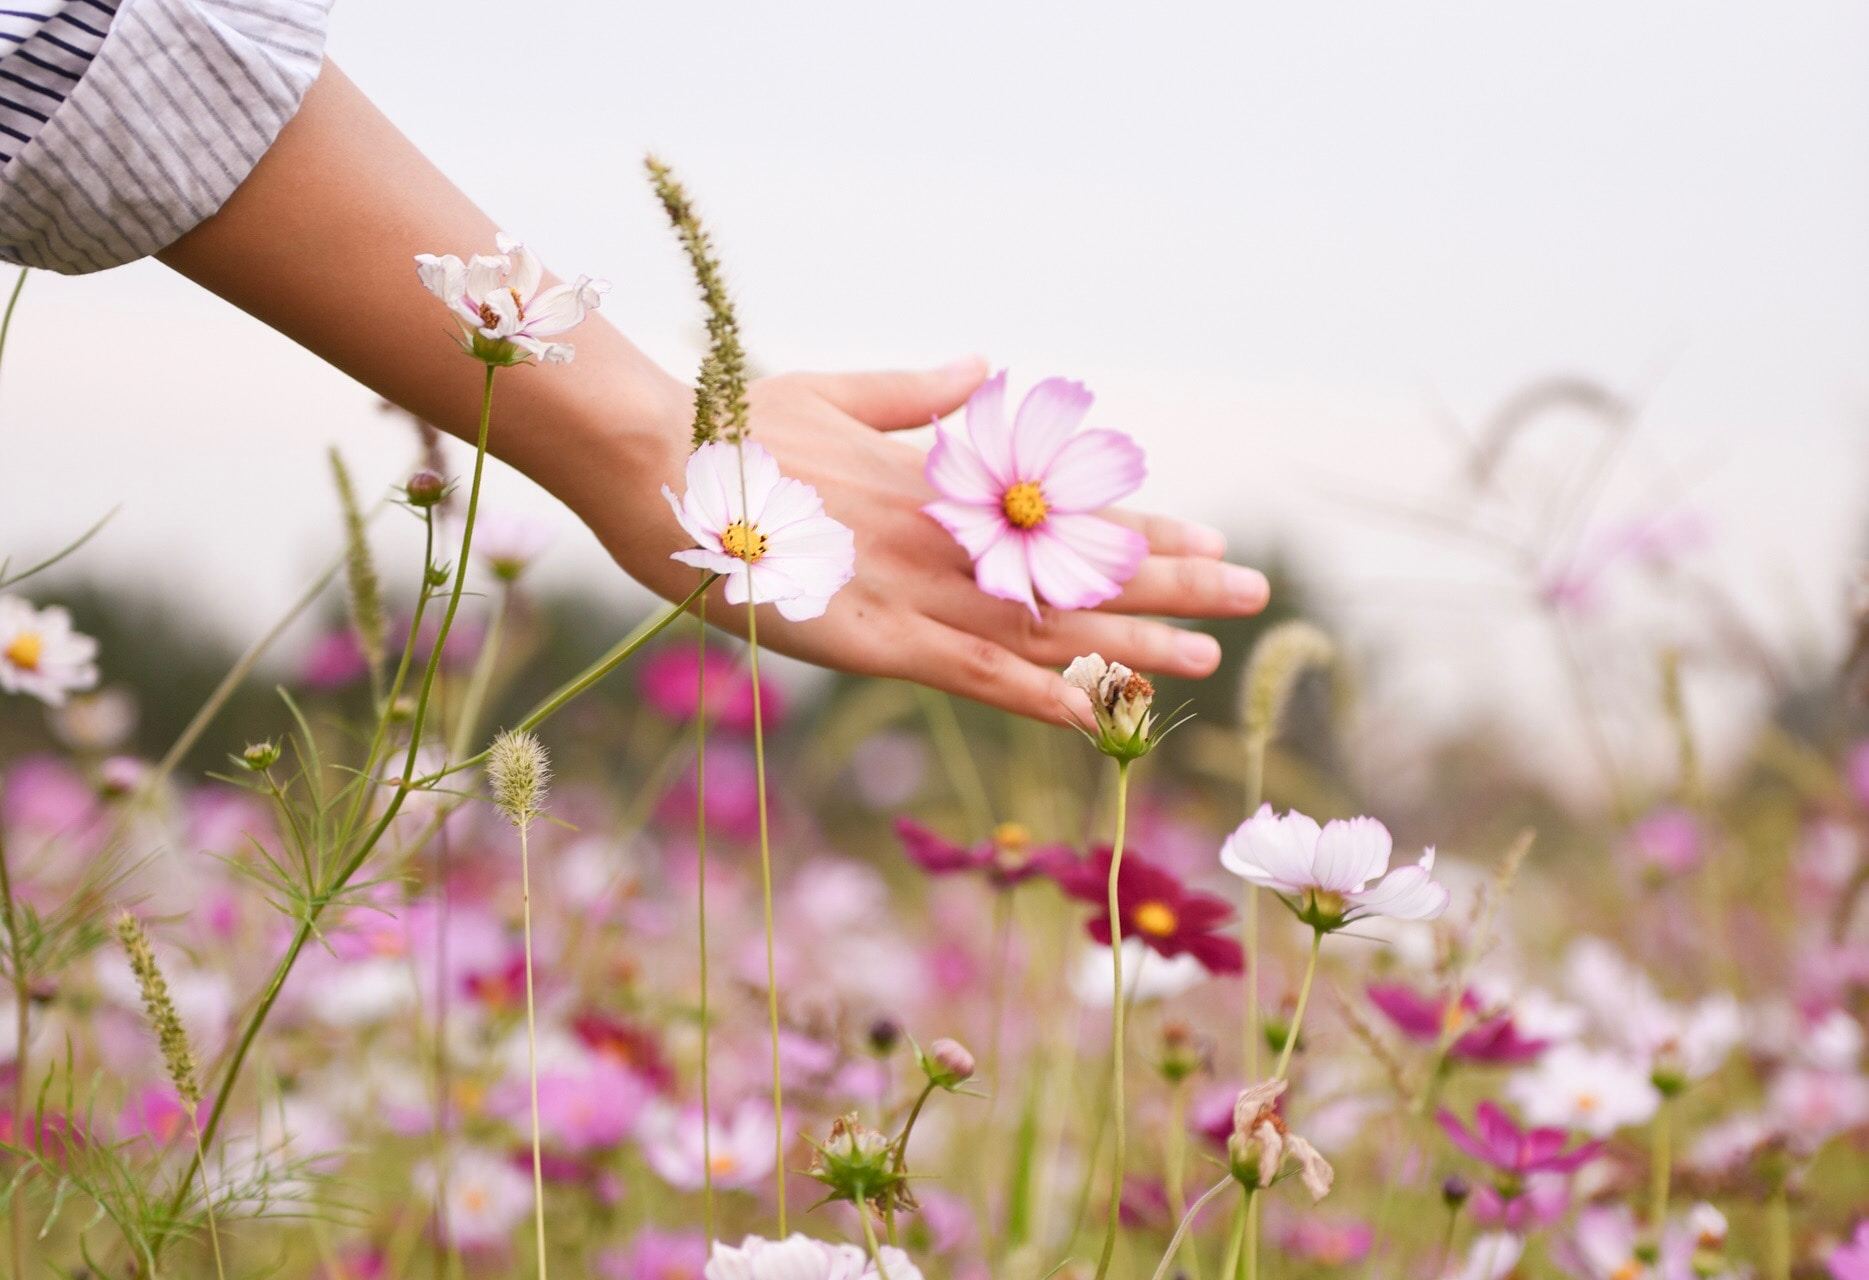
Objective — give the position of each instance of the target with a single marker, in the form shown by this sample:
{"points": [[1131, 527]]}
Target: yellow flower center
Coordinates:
{"points": [[474, 1199], [1587, 1102], [1455, 1016], [25, 651], [1630, 1270], [1012, 837], [1156, 918], [743, 542], [1024, 505], [722, 1164]]}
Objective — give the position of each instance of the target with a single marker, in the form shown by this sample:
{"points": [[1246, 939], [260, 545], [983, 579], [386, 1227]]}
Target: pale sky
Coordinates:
{"points": [[1287, 246]]}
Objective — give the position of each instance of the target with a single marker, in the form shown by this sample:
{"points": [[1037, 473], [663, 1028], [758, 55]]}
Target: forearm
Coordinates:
{"points": [[319, 242]]}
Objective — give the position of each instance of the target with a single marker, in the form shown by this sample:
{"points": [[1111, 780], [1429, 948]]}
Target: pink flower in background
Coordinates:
{"points": [[1488, 1036], [1330, 1242], [669, 682], [155, 1112], [508, 542], [1596, 1091], [741, 1148], [742, 513], [1668, 840], [585, 1107], [1851, 1261], [1857, 771], [799, 1257], [504, 313], [1019, 496], [487, 1197], [1497, 1140], [656, 1255], [1005, 859]]}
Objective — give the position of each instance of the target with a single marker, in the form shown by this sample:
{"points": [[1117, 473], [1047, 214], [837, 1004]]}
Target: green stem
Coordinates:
{"points": [[908, 1126], [1118, 1025], [1230, 1263], [1176, 1158], [388, 709], [1778, 1233], [207, 1201], [6, 327], [481, 678], [1661, 1168], [532, 1048], [22, 994], [1304, 999], [1251, 1038], [1182, 1229], [700, 847], [250, 1032], [962, 769], [869, 1238]]}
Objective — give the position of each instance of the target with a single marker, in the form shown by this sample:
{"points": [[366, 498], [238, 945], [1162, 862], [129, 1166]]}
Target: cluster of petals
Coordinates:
{"points": [[40, 655], [800, 1257], [1333, 874], [1020, 495], [1156, 908], [504, 312], [765, 533]]}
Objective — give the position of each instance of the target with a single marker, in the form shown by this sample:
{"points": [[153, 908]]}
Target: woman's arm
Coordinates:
{"points": [[319, 243]]}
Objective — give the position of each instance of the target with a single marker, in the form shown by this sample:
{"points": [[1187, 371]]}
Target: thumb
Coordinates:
{"points": [[894, 400]]}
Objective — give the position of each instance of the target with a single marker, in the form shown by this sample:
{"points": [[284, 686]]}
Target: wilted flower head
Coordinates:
{"points": [[505, 315], [799, 1257], [518, 773], [1019, 497], [1261, 1143], [41, 655], [766, 533], [1121, 700], [1324, 874], [857, 1163]]}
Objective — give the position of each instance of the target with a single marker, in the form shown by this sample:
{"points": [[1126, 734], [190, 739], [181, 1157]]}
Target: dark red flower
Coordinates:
{"points": [[1005, 860], [627, 1044], [1489, 1038], [1156, 907]]}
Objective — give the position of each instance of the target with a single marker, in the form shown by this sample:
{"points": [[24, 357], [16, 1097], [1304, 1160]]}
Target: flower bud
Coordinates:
{"points": [[948, 1063], [1455, 1190], [857, 1163], [883, 1037], [1184, 1054], [120, 776], [425, 489], [260, 756], [1121, 699]]}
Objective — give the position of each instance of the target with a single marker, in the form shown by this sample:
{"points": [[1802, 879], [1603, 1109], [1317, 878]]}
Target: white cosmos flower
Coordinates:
{"points": [[1146, 977], [1594, 1091], [1326, 873], [1677, 1043], [799, 1257], [763, 529], [41, 655], [502, 309]]}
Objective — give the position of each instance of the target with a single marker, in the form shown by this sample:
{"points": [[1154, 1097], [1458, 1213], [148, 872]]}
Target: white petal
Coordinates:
{"points": [[1050, 412], [484, 274], [1273, 851], [1351, 853], [1001, 570], [990, 431], [957, 471], [444, 276]]}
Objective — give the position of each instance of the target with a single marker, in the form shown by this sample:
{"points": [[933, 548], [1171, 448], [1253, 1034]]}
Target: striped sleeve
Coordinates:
{"points": [[140, 120]]}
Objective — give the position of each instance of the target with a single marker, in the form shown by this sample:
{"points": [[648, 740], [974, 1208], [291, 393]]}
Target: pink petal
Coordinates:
{"points": [[1001, 571], [989, 430], [1351, 853], [1051, 411], [975, 527], [1093, 470], [1112, 550], [956, 470], [1061, 574]]}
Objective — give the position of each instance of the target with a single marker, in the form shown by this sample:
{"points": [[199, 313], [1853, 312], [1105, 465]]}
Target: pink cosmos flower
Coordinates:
{"points": [[1325, 874], [1488, 1036], [1497, 1140], [487, 1197], [1668, 841], [1330, 1242], [670, 683], [767, 534], [505, 315], [1007, 858], [1851, 1261], [656, 1255], [589, 1106], [741, 1148], [1019, 497], [799, 1257]]}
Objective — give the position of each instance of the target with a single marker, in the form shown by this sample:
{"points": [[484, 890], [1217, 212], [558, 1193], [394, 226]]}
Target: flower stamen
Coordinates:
{"points": [[27, 648], [1024, 505], [743, 542], [1155, 918]]}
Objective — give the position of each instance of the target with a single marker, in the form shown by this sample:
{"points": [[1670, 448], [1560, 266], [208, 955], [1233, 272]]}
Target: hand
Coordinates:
{"points": [[913, 611]]}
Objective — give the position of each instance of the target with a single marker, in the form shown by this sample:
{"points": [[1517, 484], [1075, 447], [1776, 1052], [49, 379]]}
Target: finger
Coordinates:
{"points": [[1192, 587], [1168, 536], [1055, 636], [976, 667], [894, 400]]}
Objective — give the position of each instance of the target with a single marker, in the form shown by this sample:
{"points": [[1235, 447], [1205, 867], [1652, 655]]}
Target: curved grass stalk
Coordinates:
{"points": [[1185, 1225], [700, 846]]}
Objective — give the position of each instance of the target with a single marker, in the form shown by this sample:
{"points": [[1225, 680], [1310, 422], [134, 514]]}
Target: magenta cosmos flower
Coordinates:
{"points": [[1019, 496], [1497, 1140], [1483, 1036]]}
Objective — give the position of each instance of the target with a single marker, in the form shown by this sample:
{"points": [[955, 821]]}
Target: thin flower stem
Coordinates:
{"points": [[1118, 1027], [308, 925], [1661, 1167], [1778, 1234], [962, 769], [700, 846], [908, 1127], [869, 1238], [1186, 1224], [1236, 1240], [480, 680], [532, 1047], [207, 1199], [6, 327], [765, 889], [1250, 1038], [22, 994], [1176, 1159], [1304, 999], [386, 712]]}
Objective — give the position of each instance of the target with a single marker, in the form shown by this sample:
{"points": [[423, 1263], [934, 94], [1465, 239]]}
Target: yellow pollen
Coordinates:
{"points": [[1156, 918], [1455, 1017], [722, 1165], [1630, 1270], [25, 651], [1024, 505], [743, 542], [474, 1199], [1587, 1102], [1011, 836]]}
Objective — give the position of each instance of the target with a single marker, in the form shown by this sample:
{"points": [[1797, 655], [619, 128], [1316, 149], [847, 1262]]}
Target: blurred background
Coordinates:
{"points": [[1521, 342]]}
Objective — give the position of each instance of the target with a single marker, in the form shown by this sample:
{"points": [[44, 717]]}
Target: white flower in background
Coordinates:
{"points": [[504, 313], [487, 1198], [41, 655], [508, 543], [1595, 1092], [1490, 1257], [765, 533], [1678, 1043], [1325, 874], [1146, 977], [799, 1257], [96, 722]]}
